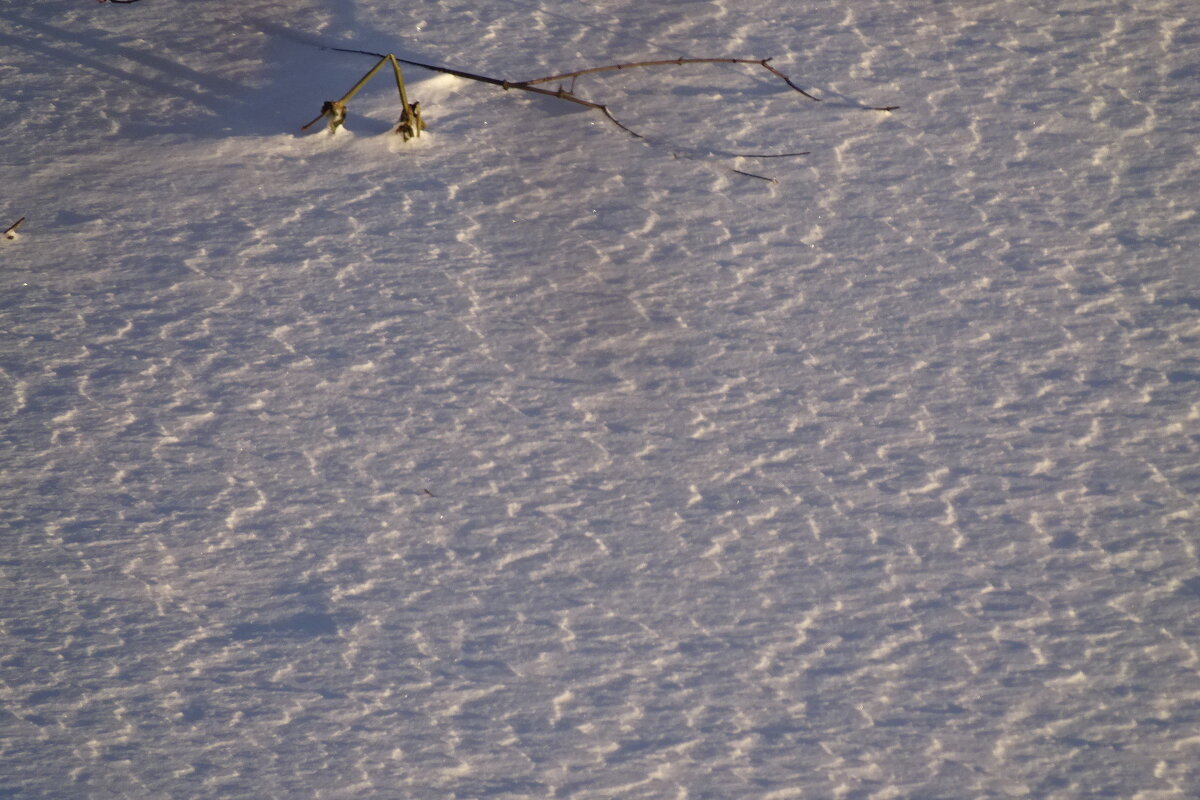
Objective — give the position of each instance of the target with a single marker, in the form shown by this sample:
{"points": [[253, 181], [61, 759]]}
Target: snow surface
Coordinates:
{"points": [[529, 460]]}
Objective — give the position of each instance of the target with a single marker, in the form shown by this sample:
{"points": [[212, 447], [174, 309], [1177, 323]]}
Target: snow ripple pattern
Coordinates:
{"points": [[527, 461]]}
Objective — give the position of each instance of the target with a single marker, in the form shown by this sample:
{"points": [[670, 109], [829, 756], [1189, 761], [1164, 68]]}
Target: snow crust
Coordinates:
{"points": [[529, 460]]}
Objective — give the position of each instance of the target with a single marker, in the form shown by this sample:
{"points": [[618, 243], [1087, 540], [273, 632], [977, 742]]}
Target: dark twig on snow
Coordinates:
{"points": [[571, 97], [635, 64], [754, 175], [771, 155], [11, 231], [335, 110], [765, 63], [670, 62]]}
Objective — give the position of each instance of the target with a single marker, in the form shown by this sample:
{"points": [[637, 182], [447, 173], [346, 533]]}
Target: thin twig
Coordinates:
{"points": [[669, 62], [771, 155], [706, 157], [767, 66], [753, 175], [632, 64], [11, 231], [765, 63], [571, 97], [563, 94]]}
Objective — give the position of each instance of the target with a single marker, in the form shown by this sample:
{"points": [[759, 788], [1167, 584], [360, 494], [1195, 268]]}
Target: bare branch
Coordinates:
{"points": [[570, 96], [765, 63], [632, 64], [671, 62]]}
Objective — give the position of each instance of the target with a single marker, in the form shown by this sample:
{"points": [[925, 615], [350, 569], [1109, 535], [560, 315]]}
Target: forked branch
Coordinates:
{"points": [[765, 63], [669, 62], [411, 125]]}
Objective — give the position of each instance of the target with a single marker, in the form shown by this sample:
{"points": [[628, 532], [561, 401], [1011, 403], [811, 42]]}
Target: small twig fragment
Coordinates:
{"points": [[11, 231], [772, 155], [753, 175]]}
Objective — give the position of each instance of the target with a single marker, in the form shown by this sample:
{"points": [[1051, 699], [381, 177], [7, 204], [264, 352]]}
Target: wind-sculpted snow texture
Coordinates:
{"points": [[528, 460]]}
